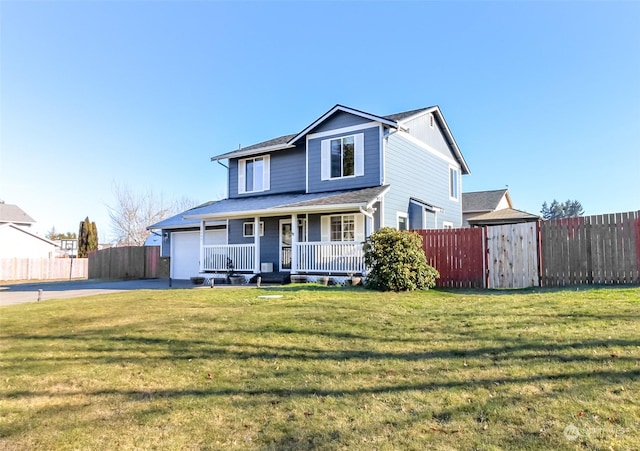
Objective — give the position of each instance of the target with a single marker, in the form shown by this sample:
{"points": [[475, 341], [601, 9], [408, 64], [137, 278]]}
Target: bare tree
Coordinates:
{"points": [[134, 212]]}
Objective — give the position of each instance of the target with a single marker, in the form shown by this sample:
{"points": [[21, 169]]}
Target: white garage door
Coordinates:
{"points": [[185, 251]]}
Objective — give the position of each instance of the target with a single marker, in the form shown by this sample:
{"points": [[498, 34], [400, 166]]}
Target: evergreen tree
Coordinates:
{"points": [[87, 238], [558, 210]]}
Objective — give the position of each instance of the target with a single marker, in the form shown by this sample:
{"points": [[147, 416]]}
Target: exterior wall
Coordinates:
{"points": [[413, 171], [17, 244], [421, 129], [371, 175], [287, 173]]}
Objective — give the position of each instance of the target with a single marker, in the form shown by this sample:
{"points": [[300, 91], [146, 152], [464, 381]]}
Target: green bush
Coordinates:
{"points": [[397, 262]]}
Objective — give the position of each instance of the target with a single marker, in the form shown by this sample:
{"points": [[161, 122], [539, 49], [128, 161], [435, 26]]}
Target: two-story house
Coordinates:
{"points": [[304, 203]]}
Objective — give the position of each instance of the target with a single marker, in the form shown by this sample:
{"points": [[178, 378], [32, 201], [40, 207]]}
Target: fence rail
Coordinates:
{"points": [[330, 257], [43, 268], [241, 256]]}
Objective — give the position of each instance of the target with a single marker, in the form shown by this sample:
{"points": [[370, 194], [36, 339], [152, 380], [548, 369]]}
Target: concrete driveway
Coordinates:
{"points": [[29, 292]]}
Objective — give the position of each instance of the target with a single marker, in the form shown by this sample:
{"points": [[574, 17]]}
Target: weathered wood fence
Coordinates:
{"points": [[602, 249], [599, 249], [43, 268], [131, 262]]}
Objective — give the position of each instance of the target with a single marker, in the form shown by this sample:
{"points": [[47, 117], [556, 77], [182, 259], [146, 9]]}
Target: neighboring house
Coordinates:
{"points": [[304, 203], [18, 242], [154, 239], [494, 207], [12, 214]]}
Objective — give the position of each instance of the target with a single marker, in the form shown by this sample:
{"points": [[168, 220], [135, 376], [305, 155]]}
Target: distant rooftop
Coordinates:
{"points": [[14, 214]]}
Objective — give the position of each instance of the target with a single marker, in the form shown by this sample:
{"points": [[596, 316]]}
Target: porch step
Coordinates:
{"points": [[274, 277]]}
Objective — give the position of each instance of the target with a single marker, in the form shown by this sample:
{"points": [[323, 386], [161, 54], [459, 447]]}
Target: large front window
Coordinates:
{"points": [[342, 157], [343, 228]]}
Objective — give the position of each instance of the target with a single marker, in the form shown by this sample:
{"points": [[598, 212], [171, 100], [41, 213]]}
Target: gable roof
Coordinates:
{"points": [[393, 120], [10, 225], [484, 200], [504, 216], [344, 109], [280, 204], [14, 214]]}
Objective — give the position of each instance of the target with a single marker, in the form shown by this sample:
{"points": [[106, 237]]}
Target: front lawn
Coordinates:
{"points": [[323, 368]]}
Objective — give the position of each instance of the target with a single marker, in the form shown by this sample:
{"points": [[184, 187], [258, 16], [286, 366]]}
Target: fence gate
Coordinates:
{"points": [[513, 255]]}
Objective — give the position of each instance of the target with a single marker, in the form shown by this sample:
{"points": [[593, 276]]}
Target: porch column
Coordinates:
{"points": [[256, 240], [294, 243], [202, 230]]}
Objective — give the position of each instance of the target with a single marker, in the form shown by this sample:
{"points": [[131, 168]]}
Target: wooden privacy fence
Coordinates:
{"points": [[599, 249], [458, 254], [131, 262], [43, 268]]}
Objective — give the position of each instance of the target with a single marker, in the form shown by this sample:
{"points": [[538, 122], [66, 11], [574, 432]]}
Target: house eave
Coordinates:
{"points": [[246, 153], [280, 211]]}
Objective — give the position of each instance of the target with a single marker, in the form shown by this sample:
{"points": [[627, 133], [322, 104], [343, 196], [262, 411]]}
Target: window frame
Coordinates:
{"points": [[342, 139], [326, 156], [447, 225], [252, 224], [264, 175], [402, 215], [342, 228], [454, 183]]}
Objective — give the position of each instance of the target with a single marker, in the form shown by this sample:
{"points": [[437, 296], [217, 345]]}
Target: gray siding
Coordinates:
{"points": [[419, 128], [371, 175], [414, 172], [339, 120], [287, 173]]}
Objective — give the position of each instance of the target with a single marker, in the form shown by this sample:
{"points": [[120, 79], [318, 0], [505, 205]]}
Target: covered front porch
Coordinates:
{"points": [[280, 247]]}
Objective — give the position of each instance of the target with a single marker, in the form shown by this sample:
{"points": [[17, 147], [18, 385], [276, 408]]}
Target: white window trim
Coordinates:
{"points": [[244, 230], [458, 184], [325, 227], [358, 157], [266, 174], [447, 225], [399, 215]]}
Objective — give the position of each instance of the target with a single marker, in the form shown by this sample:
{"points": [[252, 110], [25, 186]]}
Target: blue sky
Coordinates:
{"points": [[541, 96]]}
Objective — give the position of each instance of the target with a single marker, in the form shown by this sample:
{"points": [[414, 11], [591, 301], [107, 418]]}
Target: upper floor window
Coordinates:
{"points": [[454, 183], [342, 157], [253, 174]]}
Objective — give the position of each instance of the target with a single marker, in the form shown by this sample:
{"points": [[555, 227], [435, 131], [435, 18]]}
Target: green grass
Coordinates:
{"points": [[322, 368]]}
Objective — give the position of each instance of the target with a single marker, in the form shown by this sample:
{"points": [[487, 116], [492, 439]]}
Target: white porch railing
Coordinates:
{"points": [[242, 255], [330, 257]]}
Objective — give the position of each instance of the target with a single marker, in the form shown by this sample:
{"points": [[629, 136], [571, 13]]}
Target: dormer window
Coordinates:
{"points": [[253, 174], [343, 157]]}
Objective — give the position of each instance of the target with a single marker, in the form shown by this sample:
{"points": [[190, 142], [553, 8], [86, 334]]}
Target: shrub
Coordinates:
{"points": [[397, 262]]}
